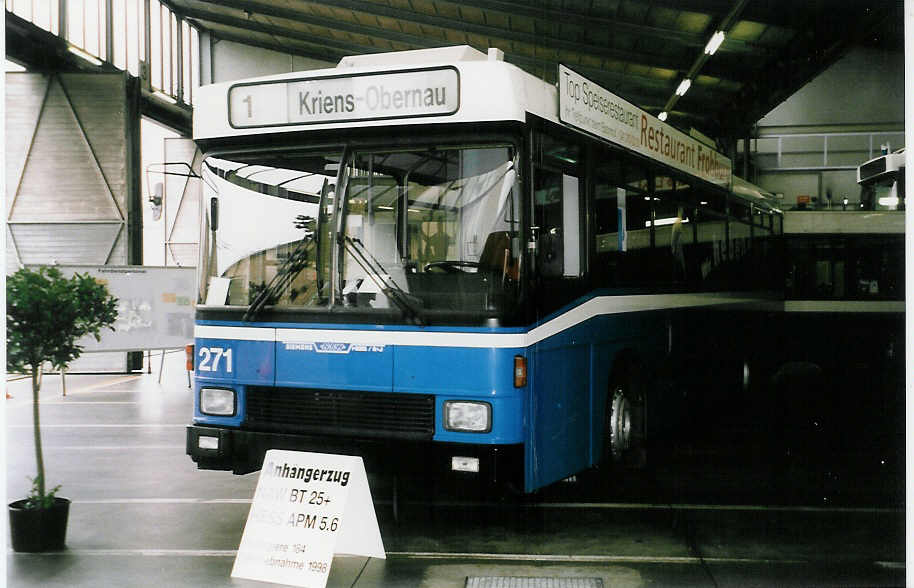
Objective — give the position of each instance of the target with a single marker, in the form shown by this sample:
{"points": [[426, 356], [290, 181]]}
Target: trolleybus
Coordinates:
{"points": [[434, 258]]}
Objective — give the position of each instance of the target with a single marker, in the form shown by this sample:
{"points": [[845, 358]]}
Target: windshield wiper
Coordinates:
{"points": [[290, 268], [409, 304]]}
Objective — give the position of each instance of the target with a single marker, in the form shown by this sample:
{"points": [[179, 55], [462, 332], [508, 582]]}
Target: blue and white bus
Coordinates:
{"points": [[434, 259]]}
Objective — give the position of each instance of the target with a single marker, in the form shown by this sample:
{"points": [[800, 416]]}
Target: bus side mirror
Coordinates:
{"points": [[155, 200]]}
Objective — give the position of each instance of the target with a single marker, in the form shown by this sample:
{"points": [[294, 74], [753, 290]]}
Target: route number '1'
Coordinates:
{"points": [[214, 355], [247, 100]]}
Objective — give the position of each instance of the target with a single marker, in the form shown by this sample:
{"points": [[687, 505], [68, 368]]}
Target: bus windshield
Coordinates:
{"points": [[431, 234], [259, 243], [431, 230]]}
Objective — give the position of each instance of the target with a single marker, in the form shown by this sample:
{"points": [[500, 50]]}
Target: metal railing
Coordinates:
{"points": [[821, 151]]}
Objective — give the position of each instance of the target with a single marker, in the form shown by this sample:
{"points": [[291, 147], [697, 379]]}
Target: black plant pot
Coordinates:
{"points": [[39, 529]]}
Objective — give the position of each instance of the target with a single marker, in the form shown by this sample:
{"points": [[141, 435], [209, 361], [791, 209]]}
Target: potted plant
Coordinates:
{"points": [[46, 314]]}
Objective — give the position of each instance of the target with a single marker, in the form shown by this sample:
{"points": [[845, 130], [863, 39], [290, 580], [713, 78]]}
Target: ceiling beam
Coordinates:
{"points": [[616, 82], [251, 22], [581, 19], [317, 51], [178, 117], [244, 24], [768, 13], [508, 8]]}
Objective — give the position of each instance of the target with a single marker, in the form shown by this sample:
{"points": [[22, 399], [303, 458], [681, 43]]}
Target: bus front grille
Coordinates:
{"points": [[341, 413]]}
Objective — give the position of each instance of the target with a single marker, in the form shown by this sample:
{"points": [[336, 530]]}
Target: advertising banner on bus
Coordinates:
{"points": [[590, 107]]}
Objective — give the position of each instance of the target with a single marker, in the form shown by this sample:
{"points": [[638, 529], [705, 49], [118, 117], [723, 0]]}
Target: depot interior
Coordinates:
{"points": [[102, 93]]}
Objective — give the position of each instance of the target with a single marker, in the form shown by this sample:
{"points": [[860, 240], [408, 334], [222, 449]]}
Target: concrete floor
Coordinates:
{"points": [[143, 515]]}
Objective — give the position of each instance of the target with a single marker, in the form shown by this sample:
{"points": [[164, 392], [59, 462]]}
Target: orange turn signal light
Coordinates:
{"points": [[520, 371], [189, 356]]}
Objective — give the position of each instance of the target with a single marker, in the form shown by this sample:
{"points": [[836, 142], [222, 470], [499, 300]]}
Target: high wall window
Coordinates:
{"points": [[129, 40], [43, 13], [172, 62], [86, 25]]}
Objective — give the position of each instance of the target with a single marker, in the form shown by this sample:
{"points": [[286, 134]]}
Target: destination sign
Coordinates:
{"points": [[594, 109], [346, 98]]}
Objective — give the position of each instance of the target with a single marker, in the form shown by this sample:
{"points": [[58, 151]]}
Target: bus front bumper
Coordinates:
{"points": [[242, 451]]}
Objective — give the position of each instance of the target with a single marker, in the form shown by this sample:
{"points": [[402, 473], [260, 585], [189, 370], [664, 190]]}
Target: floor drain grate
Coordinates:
{"points": [[528, 582]]}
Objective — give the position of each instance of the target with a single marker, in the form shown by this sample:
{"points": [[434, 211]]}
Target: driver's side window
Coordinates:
{"points": [[556, 209]]}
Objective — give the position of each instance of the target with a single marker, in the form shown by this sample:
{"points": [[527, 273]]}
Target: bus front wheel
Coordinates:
{"points": [[624, 430]]}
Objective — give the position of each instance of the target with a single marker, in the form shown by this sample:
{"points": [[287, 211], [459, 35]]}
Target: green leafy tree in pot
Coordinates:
{"points": [[46, 314]]}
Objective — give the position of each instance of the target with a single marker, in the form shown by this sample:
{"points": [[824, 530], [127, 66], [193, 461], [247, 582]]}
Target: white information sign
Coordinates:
{"points": [[404, 94], [307, 507], [155, 306], [594, 109]]}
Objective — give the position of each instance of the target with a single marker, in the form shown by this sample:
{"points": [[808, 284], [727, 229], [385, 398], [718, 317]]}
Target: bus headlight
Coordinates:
{"points": [[473, 417], [217, 401]]}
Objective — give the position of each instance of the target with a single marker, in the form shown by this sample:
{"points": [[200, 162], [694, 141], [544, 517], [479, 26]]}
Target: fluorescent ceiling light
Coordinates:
{"points": [[662, 116], [662, 222], [684, 86], [714, 44], [83, 55]]}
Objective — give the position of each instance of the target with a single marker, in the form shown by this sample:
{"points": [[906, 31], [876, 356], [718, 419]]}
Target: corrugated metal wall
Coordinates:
{"points": [[72, 188]]}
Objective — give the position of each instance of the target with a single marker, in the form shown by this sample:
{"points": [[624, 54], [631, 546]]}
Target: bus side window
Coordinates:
{"points": [[556, 206], [556, 213], [620, 215]]}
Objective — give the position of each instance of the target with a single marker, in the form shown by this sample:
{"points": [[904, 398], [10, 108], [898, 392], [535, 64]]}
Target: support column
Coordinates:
{"points": [[109, 31], [147, 46], [746, 151], [62, 18], [180, 60]]}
